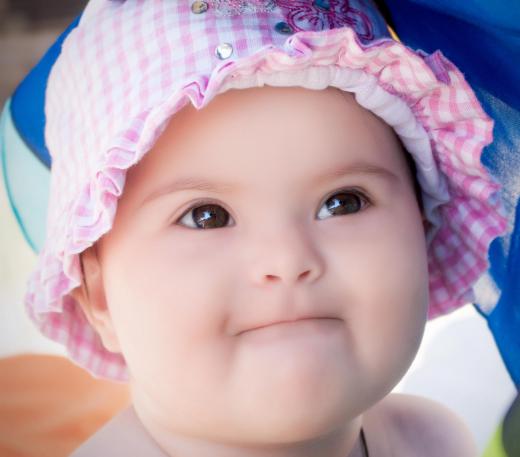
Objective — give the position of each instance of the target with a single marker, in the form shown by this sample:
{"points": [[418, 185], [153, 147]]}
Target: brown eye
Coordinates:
{"points": [[207, 216], [344, 202]]}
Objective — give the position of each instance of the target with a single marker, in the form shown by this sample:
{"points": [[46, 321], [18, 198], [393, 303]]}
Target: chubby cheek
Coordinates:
{"points": [[169, 304], [384, 279]]}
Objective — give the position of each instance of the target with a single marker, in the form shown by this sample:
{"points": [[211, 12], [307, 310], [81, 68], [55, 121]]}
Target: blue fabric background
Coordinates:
{"points": [[482, 38]]}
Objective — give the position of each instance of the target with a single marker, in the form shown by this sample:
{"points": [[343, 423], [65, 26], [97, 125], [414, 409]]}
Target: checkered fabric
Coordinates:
{"points": [[131, 65]]}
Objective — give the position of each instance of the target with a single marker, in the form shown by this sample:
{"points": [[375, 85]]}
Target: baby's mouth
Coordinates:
{"points": [[307, 322]]}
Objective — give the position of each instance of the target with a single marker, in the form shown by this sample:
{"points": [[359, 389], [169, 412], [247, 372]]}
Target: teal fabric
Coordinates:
{"points": [[26, 181]]}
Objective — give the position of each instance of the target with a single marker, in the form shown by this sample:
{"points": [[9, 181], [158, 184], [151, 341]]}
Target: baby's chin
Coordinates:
{"points": [[300, 416], [294, 386], [267, 421]]}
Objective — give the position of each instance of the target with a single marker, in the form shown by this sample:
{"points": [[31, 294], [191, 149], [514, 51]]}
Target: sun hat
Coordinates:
{"points": [[128, 66]]}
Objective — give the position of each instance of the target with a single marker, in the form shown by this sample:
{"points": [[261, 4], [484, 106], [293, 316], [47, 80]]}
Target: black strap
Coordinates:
{"points": [[364, 443]]}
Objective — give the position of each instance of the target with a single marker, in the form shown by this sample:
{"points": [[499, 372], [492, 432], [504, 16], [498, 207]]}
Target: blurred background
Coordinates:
{"points": [[458, 363], [27, 29]]}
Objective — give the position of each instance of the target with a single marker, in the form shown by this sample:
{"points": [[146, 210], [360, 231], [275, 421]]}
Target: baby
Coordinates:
{"points": [[259, 262]]}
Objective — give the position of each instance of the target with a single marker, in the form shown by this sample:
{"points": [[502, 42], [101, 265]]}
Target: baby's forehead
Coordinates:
{"points": [[278, 118], [261, 135]]}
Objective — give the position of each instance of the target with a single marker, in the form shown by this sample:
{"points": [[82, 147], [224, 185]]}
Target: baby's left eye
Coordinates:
{"points": [[344, 202]]}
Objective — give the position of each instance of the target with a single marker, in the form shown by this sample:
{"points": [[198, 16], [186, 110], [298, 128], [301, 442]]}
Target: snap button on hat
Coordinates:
{"points": [[199, 7], [283, 28], [323, 4], [223, 51]]}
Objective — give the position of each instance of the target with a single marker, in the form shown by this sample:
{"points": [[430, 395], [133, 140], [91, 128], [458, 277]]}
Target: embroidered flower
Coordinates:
{"points": [[325, 14], [237, 7]]}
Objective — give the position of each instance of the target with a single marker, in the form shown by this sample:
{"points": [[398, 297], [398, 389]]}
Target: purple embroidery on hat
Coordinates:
{"points": [[237, 7], [436, 63], [325, 14]]}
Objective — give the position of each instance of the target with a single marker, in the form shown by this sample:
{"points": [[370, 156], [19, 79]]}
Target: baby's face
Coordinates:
{"points": [[268, 205]]}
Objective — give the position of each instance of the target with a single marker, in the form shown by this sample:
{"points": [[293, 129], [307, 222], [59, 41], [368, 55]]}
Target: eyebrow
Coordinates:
{"points": [[202, 184]]}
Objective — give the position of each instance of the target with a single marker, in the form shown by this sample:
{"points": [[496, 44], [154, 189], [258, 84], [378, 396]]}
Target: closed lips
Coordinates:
{"points": [[284, 322]]}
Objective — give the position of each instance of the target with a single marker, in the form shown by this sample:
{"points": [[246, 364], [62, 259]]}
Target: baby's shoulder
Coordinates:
{"points": [[410, 425]]}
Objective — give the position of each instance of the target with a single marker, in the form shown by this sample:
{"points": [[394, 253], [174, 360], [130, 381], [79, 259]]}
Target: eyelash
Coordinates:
{"points": [[364, 202]]}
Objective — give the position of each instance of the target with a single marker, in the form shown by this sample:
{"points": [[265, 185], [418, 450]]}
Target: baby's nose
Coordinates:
{"points": [[289, 259]]}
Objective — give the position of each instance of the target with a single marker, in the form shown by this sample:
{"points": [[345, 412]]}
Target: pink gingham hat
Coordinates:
{"points": [[130, 65]]}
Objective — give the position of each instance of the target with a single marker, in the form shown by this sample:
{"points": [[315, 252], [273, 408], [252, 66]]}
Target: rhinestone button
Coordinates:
{"points": [[323, 4], [223, 51], [199, 7], [283, 28]]}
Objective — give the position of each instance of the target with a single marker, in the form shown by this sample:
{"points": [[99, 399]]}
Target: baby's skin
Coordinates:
{"points": [[266, 280]]}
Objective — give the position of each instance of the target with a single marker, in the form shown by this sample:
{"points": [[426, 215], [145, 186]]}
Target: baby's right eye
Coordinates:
{"points": [[207, 216]]}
